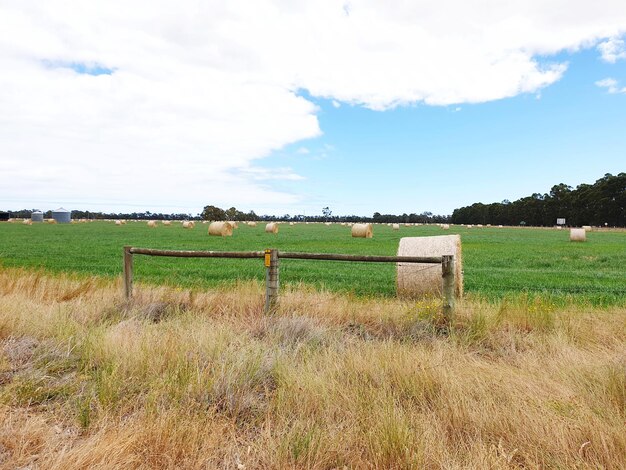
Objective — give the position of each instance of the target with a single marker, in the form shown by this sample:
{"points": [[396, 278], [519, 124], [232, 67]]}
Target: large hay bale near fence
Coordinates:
{"points": [[577, 235], [362, 231], [220, 229], [422, 279], [272, 227]]}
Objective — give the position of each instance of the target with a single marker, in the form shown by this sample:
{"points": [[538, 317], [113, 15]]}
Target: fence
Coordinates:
{"points": [[272, 258]]}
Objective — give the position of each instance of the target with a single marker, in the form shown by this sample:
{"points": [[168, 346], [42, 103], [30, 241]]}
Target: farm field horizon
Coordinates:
{"points": [[497, 262]]}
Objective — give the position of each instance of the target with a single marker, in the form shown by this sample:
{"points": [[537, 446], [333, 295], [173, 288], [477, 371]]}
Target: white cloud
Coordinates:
{"points": [[611, 85], [200, 92], [303, 151], [612, 50], [336, 104]]}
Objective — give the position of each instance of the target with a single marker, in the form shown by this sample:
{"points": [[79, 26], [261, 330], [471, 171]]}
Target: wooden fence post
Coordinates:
{"points": [[271, 280], [128, 273], [447, 273]]}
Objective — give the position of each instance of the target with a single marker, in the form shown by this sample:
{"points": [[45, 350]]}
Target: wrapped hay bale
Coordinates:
{"points": [[419, 280], [272, 227], [152, 224], [395, 227], [220, 229], [577, 235], [362, 231]]}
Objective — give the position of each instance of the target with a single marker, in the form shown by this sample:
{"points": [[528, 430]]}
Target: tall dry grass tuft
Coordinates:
{"points": [[193, 379]]}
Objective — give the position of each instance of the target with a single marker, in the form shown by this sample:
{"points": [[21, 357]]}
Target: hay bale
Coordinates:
{"points": [[395, 227], [251, 224], [188, 224], [51, 221], [362, 231], [167, 223], [272, 227], [27, 222], [234, 224], [419, 280], [587, 228], [152, 224], [577, 235], [445, 226], [220, 229], [118, 222]]}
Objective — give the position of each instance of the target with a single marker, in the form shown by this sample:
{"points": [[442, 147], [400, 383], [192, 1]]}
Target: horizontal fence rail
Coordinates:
{"points": [[272, 256]]}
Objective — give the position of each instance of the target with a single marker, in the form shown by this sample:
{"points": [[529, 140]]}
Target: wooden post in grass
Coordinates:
{"points": [[447, 273], [271, 280], [128, 273]]}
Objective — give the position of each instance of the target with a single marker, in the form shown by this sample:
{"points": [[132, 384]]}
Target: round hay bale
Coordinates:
{"points": [[272, 227], [152, 224], [577, 235], [587, 228], [27, 222], [362, 231], [118, 222], [251, 224], [51, 221], [220, 229], [445, 226], [167, 223], [188, 224], [395, 227], [419, 280], [234, 224]]}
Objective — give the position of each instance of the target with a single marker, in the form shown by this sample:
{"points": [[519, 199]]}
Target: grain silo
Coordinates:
{"points": [[37, 216], [62, 216]]}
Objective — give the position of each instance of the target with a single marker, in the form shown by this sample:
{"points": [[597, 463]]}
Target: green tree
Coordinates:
{"points": [[213, 213]]}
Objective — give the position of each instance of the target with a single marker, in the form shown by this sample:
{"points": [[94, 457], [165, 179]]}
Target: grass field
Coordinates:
{"points": [[497, 262], [178, 379]]}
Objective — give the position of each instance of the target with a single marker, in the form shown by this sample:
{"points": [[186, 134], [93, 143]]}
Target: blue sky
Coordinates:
{"points": [[423, 158], [288, 107]]}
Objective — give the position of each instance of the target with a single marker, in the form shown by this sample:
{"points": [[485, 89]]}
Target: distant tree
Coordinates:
{"points": [[213, 213], [326, 212]]}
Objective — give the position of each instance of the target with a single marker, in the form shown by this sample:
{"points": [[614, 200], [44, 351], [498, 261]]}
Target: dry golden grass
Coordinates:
{"points": [[182, 379]]}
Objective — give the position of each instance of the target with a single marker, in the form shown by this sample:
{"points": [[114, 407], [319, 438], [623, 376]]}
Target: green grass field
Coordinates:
{"points": [[497, 262]]}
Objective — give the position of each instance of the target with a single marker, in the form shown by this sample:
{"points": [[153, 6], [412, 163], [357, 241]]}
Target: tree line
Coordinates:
{"points": [[602, 203]]}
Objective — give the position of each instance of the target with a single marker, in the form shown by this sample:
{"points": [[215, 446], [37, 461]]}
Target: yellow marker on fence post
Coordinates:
{"points": [[271, 280]]}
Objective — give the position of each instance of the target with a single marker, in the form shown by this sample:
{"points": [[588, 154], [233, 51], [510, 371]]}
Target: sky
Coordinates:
{"points": [[290, 106]]}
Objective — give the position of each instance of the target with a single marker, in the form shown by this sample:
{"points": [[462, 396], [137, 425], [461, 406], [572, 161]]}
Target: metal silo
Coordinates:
{"points": [[37, 216], [62, 216]]}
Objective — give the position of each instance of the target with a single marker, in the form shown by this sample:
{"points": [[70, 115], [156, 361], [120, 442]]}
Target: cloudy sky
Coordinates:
{"points": [[288, 106]]}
